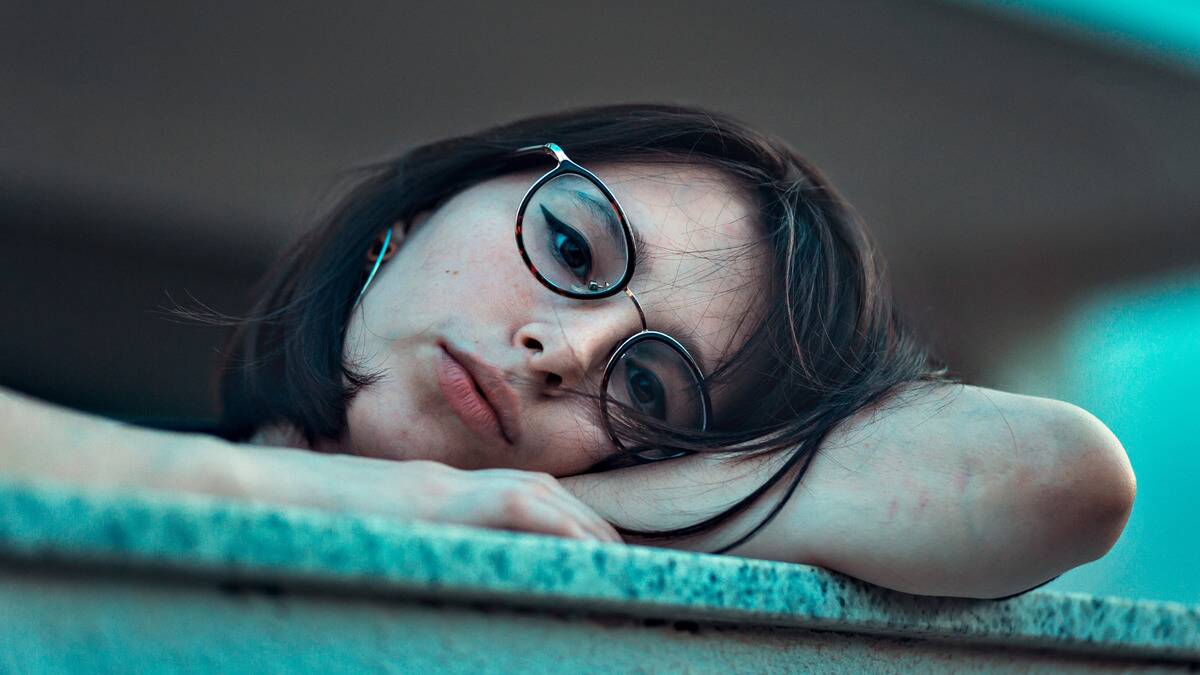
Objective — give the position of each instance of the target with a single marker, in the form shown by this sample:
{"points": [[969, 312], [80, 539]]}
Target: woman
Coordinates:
{"points": [[644, 316]]}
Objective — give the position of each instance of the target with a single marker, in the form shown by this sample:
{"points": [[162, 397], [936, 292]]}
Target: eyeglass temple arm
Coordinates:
{"points": [[545, 148]]}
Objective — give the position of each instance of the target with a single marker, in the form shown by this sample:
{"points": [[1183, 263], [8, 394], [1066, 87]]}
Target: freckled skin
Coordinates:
{"points": [[458, 276]]}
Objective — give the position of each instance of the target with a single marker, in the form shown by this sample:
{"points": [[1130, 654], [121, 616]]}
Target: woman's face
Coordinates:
{"points": [[456, 307]]}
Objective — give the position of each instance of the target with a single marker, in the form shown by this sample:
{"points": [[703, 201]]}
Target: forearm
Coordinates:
{"points": [[40, 441], [952, 491], [949, 490]]}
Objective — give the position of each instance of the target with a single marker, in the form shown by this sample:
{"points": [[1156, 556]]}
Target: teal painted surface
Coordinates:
{"points": [[1132, 357], [1165, 29], [56, 623], [196, 538]]}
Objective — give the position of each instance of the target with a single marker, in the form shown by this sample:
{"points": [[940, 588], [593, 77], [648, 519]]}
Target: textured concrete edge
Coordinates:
{"points": [[70, 624], [191, 535], [82, 624]]}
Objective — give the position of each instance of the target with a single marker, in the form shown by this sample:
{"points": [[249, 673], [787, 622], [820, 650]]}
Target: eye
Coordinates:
{"points": [[568, 246], [646, 391], [656, 454]]}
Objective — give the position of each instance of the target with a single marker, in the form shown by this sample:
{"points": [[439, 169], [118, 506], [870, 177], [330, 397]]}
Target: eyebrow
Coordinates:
{"points": [[605, 212]]}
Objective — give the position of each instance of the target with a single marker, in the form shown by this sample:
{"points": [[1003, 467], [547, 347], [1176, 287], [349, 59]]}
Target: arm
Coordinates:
{"points": [[40, 442], [940, 490]]}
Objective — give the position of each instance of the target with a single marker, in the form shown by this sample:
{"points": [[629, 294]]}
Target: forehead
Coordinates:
{"points": [[685, 208], [704, 265]]}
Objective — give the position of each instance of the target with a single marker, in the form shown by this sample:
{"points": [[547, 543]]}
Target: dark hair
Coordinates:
{"points": [[830, 344]]}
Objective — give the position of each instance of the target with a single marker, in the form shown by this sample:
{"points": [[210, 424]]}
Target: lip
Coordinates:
{"points": [[478, 394]]}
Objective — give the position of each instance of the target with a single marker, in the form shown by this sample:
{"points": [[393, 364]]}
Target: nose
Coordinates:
{"points": [[572, 344]]}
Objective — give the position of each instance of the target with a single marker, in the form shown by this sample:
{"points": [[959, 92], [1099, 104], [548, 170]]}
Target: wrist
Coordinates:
{"points": [[291, 476], [223, 469], [261, 473], [187, 462]]}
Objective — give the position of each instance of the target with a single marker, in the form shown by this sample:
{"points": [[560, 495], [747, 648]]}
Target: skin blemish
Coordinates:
{"points": [[892, 508], [922, 502]]}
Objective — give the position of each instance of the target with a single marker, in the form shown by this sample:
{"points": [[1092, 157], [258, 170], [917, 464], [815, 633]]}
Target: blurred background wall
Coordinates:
{"points": [[1029, 169]]}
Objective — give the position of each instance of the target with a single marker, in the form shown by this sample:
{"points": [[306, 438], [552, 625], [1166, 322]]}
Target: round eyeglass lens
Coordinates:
{"points": [[573, 235], [653, 378]]}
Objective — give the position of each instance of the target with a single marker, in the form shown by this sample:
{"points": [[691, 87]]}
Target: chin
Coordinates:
{"points": [[412, 445]]}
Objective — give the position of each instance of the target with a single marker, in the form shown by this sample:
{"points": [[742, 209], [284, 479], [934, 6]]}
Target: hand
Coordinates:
{"points": [[428, 491], [507, 499]]}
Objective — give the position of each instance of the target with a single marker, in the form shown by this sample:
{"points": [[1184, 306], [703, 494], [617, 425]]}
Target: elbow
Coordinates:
{"points": [[1094, 487]]}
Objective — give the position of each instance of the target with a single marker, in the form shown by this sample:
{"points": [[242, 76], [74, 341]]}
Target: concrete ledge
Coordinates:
{"points": [[88, 543]]}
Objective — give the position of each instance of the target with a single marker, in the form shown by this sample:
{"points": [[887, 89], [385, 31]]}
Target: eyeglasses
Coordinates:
{"points": [[576, 240]]}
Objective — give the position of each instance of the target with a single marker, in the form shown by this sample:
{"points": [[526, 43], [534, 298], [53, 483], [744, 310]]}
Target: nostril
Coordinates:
{"points": [[533, 344], [553, 380]]}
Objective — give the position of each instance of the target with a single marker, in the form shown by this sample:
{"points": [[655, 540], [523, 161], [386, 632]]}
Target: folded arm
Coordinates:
{"points": [[938, 490], [41, 441]]}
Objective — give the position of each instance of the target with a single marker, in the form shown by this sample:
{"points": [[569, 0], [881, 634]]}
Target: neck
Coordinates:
{"points": [[280, 435]]}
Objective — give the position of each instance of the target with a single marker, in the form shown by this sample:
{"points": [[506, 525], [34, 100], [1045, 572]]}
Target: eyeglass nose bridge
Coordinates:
{"points": [[638, 306], [641, 319]]}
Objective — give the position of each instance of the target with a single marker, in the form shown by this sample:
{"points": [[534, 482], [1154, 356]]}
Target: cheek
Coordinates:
{"points": [[482, 258], [573, 440], [434, 283]]}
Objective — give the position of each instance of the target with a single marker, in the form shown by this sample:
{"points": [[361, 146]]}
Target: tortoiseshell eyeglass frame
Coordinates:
{"points": [[566, 166]]}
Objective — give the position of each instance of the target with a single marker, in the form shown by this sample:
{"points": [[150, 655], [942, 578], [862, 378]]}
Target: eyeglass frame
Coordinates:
{"points": [[567, 166]]}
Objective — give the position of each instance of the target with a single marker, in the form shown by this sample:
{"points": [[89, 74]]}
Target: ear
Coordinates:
{"points": [[393, 244]]}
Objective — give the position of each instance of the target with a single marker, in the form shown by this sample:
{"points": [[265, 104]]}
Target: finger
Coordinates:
{"points": [[583, 514], [562, 498], [530, 514]]}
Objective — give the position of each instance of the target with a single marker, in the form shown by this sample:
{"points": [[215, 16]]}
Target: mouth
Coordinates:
{"points": [[478, 395]]}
